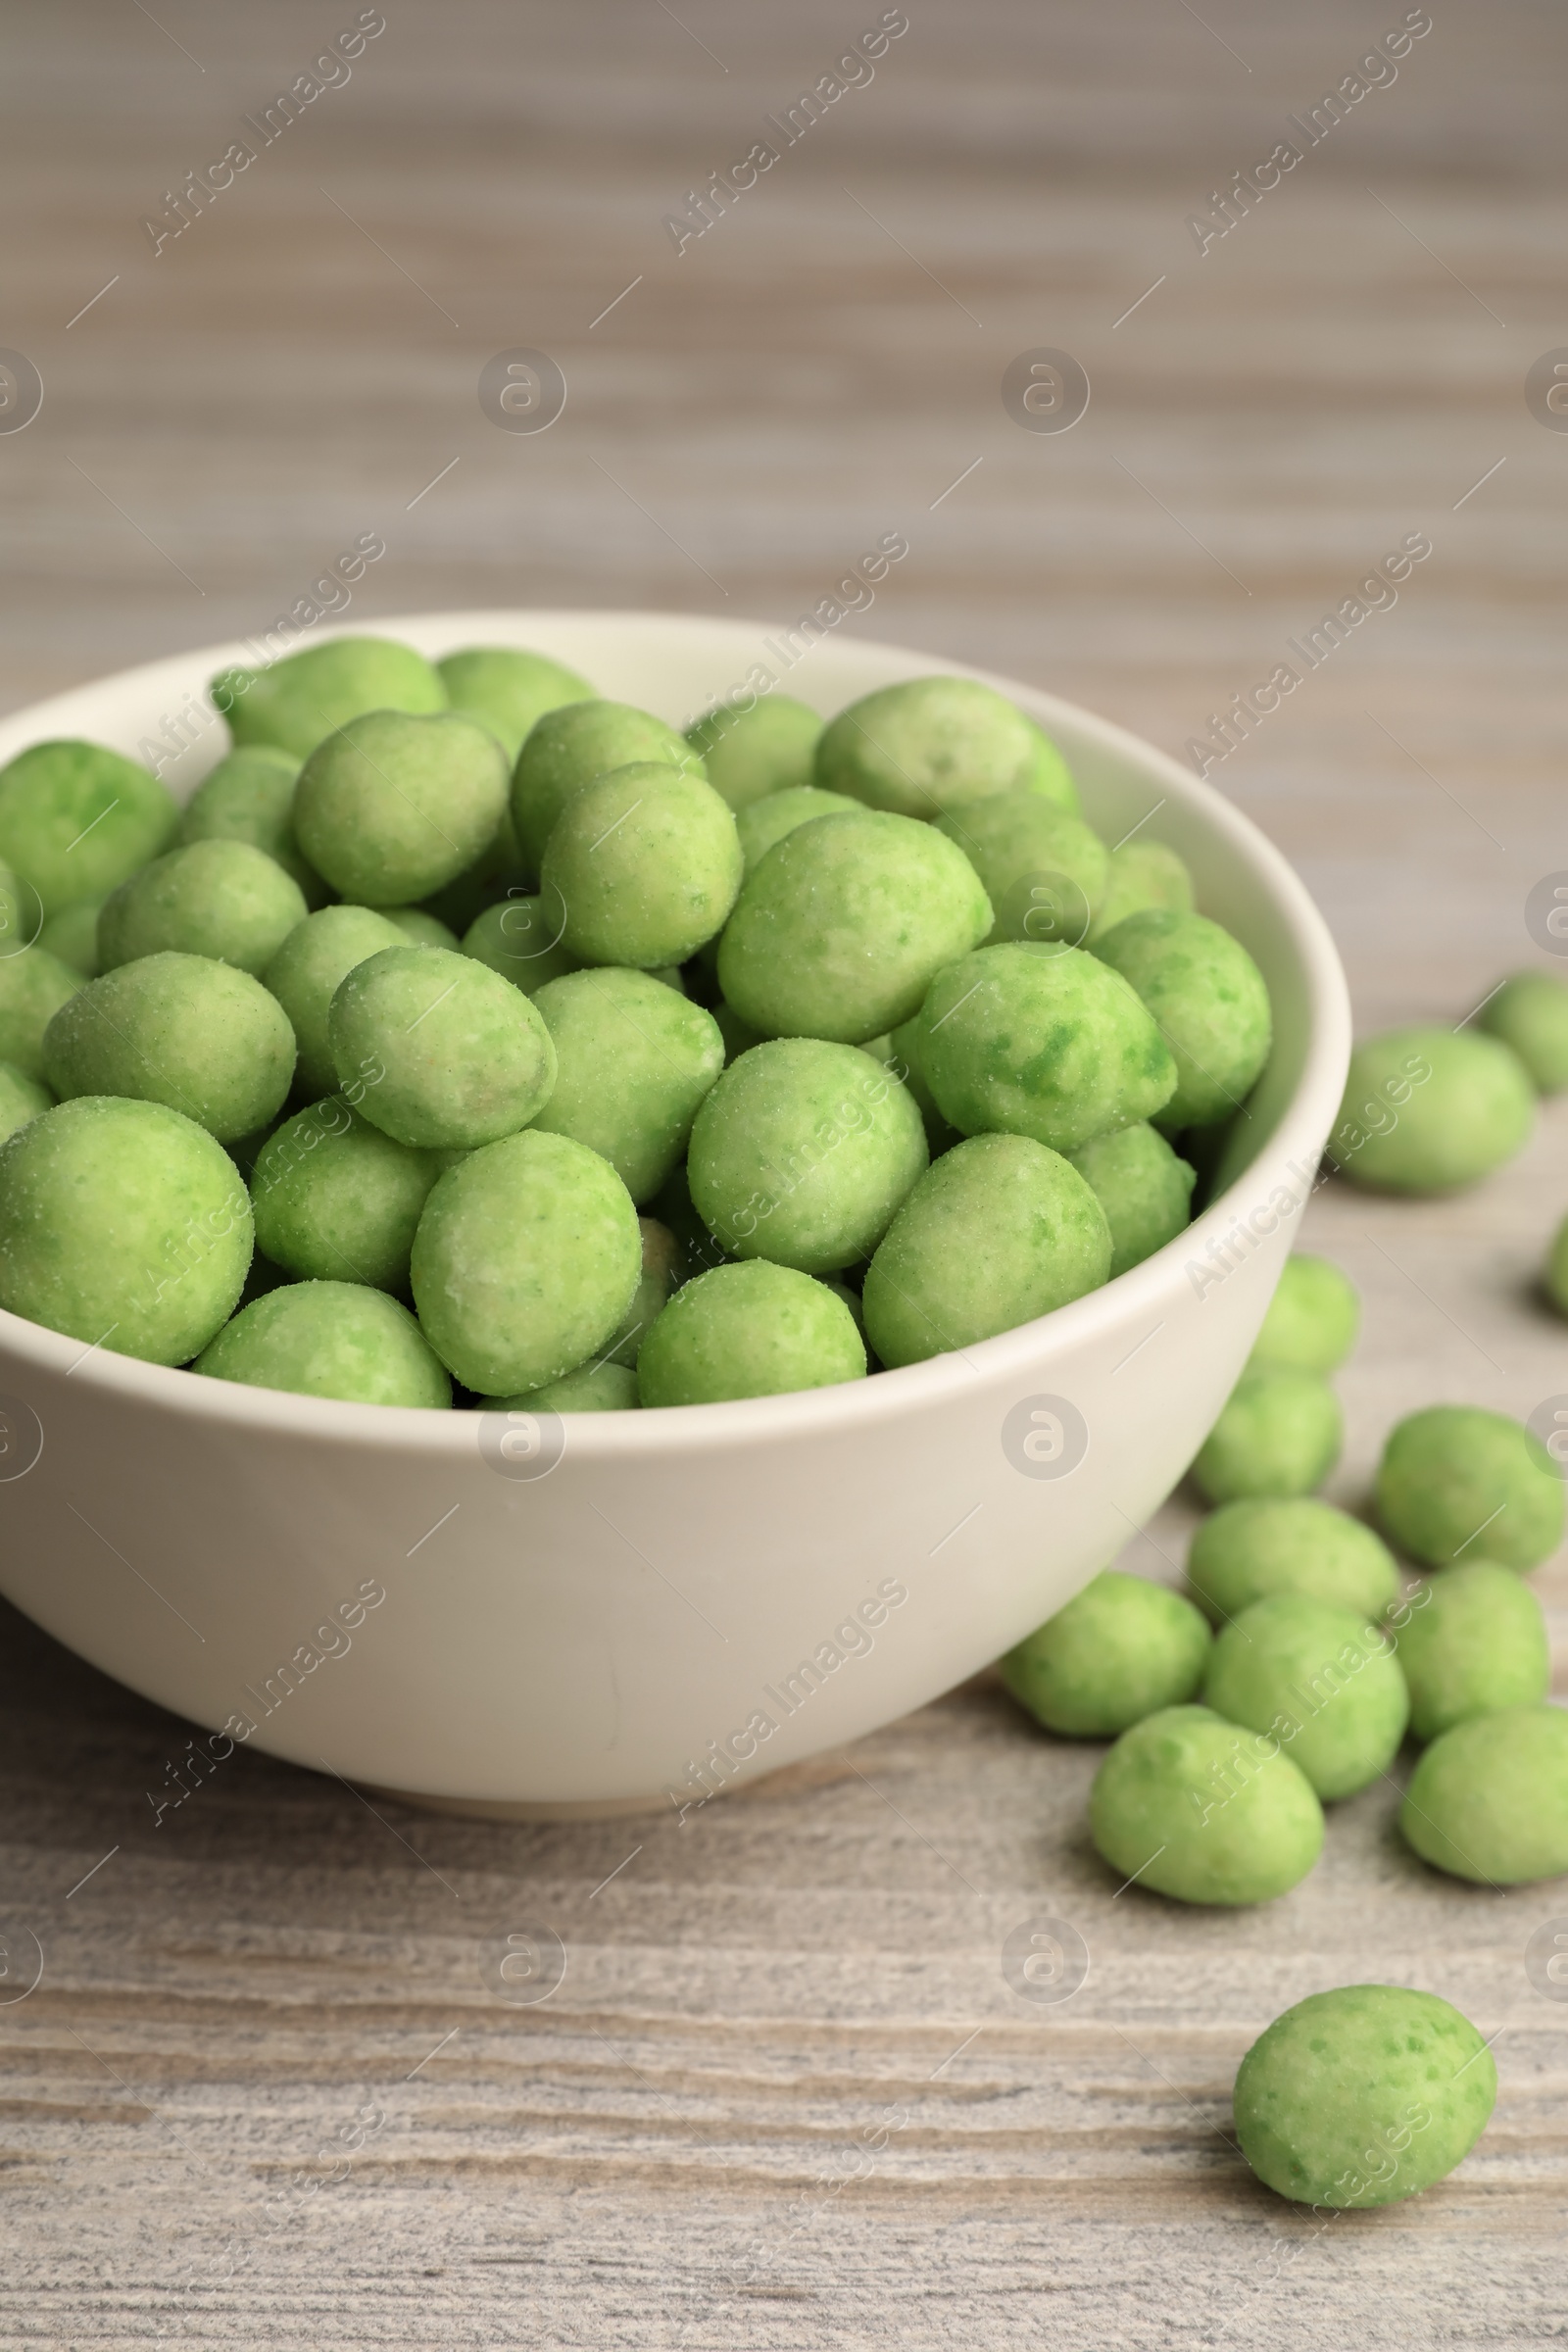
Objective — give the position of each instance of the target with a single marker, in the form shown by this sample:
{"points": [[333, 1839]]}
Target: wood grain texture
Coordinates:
{"points": [[783, 2097]]}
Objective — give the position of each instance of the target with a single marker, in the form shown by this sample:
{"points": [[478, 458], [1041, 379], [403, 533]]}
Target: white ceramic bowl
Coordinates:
{"points": [[687, 1596]]}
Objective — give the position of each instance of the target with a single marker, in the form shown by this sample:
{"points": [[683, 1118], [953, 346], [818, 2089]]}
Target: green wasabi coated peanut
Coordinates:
{"points": [[1453, 1472], [1145, 1189], [506, 690], [1489, 1799], [32, 987], [1141, 874], [456, 1056], [661, 1273], [425, 929], [852, 1300], [603, 1388], [305, 973], [1530, 1014], [330, 1339], [76, 820], [644, 863], [124, 1225], [1430, 1110], [296, 703], [220, 898], [633, 1062], [249, 796], [927, 746], [1042, 871], [526, 1259], [840, 928], [1193, 1807], [739, 1035], [752, 1330], [998, 1231], [569, 748], [1471, 1642], [1121, 1649], [750, 753], [1363, 2095], [335, 1200], [496, 874], [20, 913], [1210, 1002], [71, 935], [21, 1098], [696, 1249], [1321, 1679], [390, 807], [767, 821], [1312, 1318], [1280, 1433], [803, 1154], [517, 938], [1048, 772], [1047, 1043], [1265, 1545], [903, 1059], [200, 1037]]}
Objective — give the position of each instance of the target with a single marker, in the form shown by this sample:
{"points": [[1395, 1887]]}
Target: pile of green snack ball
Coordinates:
{"points": [[467, 1027], [1288, 1676]]}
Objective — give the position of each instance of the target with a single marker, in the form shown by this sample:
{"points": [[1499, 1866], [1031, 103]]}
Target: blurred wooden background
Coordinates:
{"points": [[784, 2096]]}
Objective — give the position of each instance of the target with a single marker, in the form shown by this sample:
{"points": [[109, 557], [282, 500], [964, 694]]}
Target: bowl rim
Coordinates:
{"points": [[844, 1407]]}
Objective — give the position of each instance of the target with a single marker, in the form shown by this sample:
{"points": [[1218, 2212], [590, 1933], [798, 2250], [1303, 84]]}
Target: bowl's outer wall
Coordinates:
{"points": [[606, 1630]]}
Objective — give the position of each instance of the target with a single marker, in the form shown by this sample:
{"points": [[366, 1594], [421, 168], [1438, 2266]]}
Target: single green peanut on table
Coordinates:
{"points": [[1489, 1799], [1193, 1807], [1457, 1480], [1530, 1014], [1280, 1433], [1363, 2095], [1429, 1110], [1321, 1679], [1121, 1649], [1312, 1318], [1260, 1546], [1471, 1642]]}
